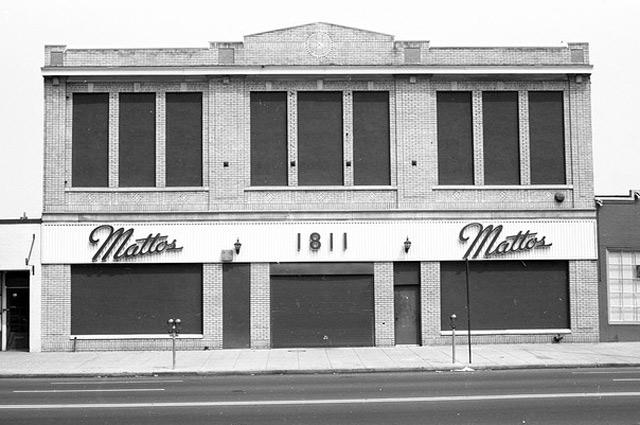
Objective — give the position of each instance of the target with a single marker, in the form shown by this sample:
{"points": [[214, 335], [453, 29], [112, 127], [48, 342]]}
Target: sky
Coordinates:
{"points": [[610, 27]]}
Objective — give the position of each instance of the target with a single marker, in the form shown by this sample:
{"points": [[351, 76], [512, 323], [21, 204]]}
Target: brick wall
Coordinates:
{"points": [[56, 308], [383, 303], [583, 299], [212, 304], [430, 301], [260, 306], [226, 156]]}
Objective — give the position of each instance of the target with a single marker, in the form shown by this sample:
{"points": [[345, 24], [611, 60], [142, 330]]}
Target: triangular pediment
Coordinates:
{"points": [[315, 27]]}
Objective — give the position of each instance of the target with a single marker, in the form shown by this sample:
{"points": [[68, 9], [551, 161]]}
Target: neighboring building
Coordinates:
{"points": [[317, 186], [20, 284], [619, 254]]}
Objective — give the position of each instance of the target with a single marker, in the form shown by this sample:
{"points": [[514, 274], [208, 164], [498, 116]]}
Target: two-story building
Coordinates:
{"points": [[317, 186]]}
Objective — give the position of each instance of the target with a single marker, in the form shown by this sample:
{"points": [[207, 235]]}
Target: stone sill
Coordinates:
{"points": [[137, 189], [133, 336], [463, 332], [319, 188], [504, 187]]}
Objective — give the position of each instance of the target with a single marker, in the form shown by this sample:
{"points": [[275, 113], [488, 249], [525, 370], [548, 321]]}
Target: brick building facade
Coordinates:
{"points": [[316, 186], [619, 255]]}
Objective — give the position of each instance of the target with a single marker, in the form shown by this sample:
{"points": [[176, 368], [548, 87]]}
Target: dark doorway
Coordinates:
{"points": [[16, 291], [406, 304], [236, 305]]}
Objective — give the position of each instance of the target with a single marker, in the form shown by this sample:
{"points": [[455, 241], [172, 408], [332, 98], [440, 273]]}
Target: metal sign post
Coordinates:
{"points": [[468, 308]]}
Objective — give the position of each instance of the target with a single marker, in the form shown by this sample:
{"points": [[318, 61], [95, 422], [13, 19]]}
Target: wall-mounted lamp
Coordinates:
{"points": [[237, 246], [407, 245]]}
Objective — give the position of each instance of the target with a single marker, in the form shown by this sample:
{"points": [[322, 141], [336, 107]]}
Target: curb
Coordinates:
{"points": [[434, 369]]}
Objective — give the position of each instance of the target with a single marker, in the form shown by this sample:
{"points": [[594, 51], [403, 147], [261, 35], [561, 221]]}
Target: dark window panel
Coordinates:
{"points": [[546, 137], [236, 306], [322, 311], [320, 153], [406, 273], [501, 137], [184, 139], [455, 138], [371, 146], [269, 139], [90, 140], [137, 140], [506, 294], [116, 299]]}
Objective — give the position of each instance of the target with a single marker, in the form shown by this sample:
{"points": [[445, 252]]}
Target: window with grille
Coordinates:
{"points": [[623, 286]]}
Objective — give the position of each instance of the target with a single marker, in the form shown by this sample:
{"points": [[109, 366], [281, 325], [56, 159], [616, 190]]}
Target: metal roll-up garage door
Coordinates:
{"points": [[322, 311]]}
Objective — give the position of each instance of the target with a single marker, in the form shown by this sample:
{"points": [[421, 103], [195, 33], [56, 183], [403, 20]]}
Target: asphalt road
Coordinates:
{"points": [[569, 396]]}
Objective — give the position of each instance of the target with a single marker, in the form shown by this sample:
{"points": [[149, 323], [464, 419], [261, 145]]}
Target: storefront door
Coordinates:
{"points": [[407, 314], [15, 303]]}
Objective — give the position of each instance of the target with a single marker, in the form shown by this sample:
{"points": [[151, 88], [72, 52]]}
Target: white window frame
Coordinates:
{"points": [[632, 288]]}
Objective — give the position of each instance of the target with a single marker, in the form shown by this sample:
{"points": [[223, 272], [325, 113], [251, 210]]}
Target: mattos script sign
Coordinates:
{"points": [[319, 241], [488, 241], [120, 243]]}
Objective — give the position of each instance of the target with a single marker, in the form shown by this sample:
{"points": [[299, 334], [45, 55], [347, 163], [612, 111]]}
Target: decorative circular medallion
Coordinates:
{"points": [[319, 44]]}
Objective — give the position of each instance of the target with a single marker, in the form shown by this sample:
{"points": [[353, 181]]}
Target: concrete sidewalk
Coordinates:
{"points": [[320, 360]]}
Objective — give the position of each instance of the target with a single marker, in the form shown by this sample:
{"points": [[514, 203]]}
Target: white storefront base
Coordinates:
{"points": [[20, 251]]}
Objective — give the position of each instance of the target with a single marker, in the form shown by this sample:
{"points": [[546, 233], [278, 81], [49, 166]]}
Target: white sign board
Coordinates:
{"points": [[309, 241]]}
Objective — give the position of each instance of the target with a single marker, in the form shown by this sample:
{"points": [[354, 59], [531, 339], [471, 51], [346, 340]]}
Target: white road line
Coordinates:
{"points": [[605, 372], [626, 379], [97, 390], [159, 381], [322, 401]]}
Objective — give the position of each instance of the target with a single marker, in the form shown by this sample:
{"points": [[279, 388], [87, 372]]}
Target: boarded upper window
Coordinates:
{"points": [[115, 299], [406, 273], [546, 137], [184, 139], [320, 152], [90, 140], [501, 137], [269, 139], [371, 150], [455, 138], [137, 147]]}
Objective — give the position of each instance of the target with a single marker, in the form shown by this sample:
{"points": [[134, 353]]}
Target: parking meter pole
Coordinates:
{"points": [[452, 321], [173, 348], [174, 329], [453, 345]]}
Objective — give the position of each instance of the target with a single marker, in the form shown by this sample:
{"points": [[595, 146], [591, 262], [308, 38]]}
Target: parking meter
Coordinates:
{"points": [[174, 330]]}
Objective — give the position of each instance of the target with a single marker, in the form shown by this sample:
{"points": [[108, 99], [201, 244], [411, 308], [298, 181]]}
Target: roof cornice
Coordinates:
{"points": [[273, 70]]}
